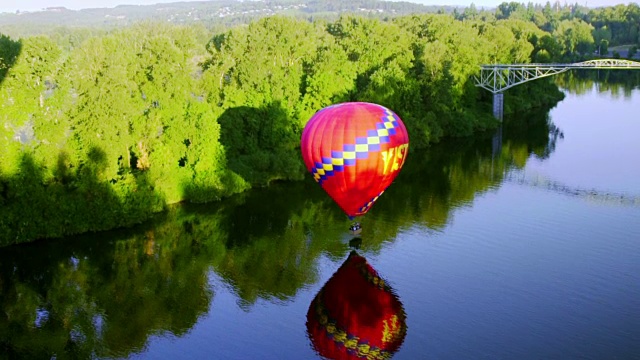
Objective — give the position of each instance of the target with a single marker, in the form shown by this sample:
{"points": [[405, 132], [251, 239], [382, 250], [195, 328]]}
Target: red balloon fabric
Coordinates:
{"points": [[354, 151], [356, 315]]}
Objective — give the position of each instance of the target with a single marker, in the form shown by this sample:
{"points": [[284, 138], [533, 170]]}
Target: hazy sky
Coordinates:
{"points": [[32, 5]]}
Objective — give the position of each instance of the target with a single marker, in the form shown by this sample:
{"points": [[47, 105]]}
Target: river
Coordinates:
{"points": [[521, 245]]}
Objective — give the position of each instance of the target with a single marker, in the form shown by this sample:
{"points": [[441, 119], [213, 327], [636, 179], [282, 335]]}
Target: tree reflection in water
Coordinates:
{"points": [[356, 314], [96, 298]]}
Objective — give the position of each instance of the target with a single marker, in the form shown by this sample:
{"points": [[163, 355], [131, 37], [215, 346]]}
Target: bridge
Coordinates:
{"points": [[500, 77]]}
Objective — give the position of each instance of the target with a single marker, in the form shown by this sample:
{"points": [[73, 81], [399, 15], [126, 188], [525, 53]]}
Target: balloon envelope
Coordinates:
{"points": [[354, 151], [356, 315]]}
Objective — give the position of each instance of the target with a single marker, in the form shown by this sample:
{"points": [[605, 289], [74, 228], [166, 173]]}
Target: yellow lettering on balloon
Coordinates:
{"points": [[386, 158], [402, 153], [394, 158]]}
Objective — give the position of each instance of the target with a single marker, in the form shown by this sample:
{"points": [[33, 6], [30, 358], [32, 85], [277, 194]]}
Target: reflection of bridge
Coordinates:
{"points": [[500, 77], [593, 195]]}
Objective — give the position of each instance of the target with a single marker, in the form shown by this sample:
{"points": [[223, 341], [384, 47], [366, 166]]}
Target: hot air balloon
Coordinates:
{"points": [[354, 151], [356, 315]]}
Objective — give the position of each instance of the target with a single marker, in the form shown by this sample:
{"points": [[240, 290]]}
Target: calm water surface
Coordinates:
{"points": [[524, 246]]}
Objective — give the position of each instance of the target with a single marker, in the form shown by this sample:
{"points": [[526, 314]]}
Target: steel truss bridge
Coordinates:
{"points": [[500, 77]]}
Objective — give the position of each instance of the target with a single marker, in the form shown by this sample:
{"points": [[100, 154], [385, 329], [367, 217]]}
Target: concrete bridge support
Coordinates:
{"points": [[498, 105]]}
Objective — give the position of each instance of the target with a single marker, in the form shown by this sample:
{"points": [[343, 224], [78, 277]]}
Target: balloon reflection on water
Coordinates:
{"points": [[356, 314]]}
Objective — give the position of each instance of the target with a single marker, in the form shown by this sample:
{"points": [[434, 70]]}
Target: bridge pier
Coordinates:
{"points": [[498, 105]]}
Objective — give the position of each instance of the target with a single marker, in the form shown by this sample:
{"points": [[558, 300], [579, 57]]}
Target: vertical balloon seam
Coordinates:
{"points": [[363, 147], [360, 114], [345, 131], [332, 164]]}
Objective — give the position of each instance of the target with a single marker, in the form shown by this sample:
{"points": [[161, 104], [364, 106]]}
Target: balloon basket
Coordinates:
{"points": [[355, 228]]}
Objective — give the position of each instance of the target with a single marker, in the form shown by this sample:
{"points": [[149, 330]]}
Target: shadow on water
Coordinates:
{"points": [[9, 52], [106, 294]]}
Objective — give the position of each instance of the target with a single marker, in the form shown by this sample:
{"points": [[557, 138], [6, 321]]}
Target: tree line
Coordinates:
{"points": [[102, 129]]}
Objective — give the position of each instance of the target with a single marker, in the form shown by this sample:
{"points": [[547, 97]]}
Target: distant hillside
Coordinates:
{"points": [[208, 13]]}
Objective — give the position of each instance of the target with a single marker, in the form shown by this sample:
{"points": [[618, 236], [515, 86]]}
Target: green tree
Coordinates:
{"points": [[604, 47], [380, 54], [575, 36], [601, 38], [9, 51], [262, 67], [511, 10]]}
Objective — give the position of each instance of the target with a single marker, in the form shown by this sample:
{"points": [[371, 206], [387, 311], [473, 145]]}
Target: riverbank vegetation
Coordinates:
{"points": [[101, 129]]}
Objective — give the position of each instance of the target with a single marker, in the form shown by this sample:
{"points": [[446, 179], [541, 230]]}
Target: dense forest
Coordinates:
{"points": [[101, 128]]}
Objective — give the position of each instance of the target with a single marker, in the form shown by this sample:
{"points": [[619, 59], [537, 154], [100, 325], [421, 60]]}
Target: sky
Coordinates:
{"points": [[34, 5]]}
